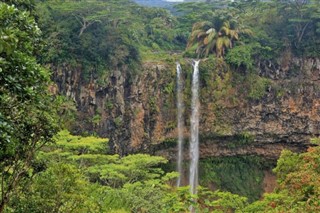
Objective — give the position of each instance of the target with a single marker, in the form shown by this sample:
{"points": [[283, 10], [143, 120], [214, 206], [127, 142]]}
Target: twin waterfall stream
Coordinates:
{"points": [[194, 127], [180, 109]]}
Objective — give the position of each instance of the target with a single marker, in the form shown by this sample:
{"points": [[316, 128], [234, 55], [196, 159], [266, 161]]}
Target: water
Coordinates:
{"points": [[180, 108], [194, 140]]}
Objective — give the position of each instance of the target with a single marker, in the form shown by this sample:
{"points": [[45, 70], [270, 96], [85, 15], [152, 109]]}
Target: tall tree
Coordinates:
{"points": [[301, 20], [215, 37], [26, 119]]}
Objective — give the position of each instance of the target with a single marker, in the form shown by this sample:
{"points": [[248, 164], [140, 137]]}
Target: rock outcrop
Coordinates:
{"points": [[138, 112]]}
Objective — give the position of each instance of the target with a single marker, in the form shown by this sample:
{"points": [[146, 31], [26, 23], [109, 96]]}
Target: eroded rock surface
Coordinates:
{"points": [[138, 112]]}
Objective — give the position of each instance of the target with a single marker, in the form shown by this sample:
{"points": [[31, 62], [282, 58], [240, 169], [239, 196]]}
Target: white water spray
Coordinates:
{"points": [[180, 108], [194, 140]]}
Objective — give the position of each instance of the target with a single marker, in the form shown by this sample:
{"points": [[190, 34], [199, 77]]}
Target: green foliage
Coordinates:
{"points": [[130, 169], [287, 24], [169, 88], [205, 201], [97, 36], [178, 200], [85, 145], [96, 119], [89, 154], [315, 141], [245, 56], [276, 25], [152, 105], [27, 115], [298, 179], [87, 36], [241, 140], [288, 163], [217, 35], [109, 105], [257, 86], [241, 56], [92, 181], [76, 173], [301, 19], [106, 183], [135, 183], [60, 188], [144, 197], [240, 175], [66, 110], [226, 201], [118, 121]]}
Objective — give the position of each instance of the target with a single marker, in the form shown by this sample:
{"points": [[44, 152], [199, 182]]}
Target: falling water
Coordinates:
{"points": [[180, 108], [194, 140]]}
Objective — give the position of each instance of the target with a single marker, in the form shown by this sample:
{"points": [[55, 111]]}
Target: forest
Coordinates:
{"points": [[53, 160]]}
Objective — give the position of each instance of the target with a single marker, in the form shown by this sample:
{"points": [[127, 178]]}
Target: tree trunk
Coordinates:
{"points": [[2, 204]]}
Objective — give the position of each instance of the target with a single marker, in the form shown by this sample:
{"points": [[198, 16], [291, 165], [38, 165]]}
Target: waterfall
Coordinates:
{"points": [[180, 108], [194, 140]]}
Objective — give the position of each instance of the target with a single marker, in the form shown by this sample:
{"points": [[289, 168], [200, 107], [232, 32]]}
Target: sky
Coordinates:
{"points": [[174, 0]]}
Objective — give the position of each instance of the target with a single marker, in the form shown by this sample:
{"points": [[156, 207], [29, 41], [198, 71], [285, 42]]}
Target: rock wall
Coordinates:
{"points": [[138, 112]]}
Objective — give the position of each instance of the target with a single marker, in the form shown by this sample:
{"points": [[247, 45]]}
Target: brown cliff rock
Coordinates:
{"points": [[138, 112]]}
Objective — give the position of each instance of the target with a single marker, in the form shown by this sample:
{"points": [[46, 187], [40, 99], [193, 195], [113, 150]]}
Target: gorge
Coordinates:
{"points": [[286, 117], [104, 109]]}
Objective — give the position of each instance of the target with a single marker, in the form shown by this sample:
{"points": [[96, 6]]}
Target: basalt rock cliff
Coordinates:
{"points": [[138, 112]]}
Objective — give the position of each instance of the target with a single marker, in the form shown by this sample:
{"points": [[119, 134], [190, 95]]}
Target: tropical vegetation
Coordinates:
{"points": [[44, 168]]}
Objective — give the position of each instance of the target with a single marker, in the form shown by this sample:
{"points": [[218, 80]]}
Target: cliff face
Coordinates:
{"points": [[138, 112]]}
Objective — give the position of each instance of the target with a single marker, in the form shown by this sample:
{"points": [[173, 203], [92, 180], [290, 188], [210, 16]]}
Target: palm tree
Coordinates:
{"points": [[201, 34], [208, 39]]}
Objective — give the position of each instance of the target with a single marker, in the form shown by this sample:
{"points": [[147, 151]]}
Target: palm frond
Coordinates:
{"points": [[201, 34], [200, 25], [210, 47], [233, 34], [222, 43], [194, 37], [226, 42], [226, 31], [210, 30], [205, 40], [212, 36], [226, 24], [247, 31], [219, 44], [195, 33]]}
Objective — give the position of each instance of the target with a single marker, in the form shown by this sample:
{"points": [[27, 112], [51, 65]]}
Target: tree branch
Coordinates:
{"points": [[303, 32]]}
